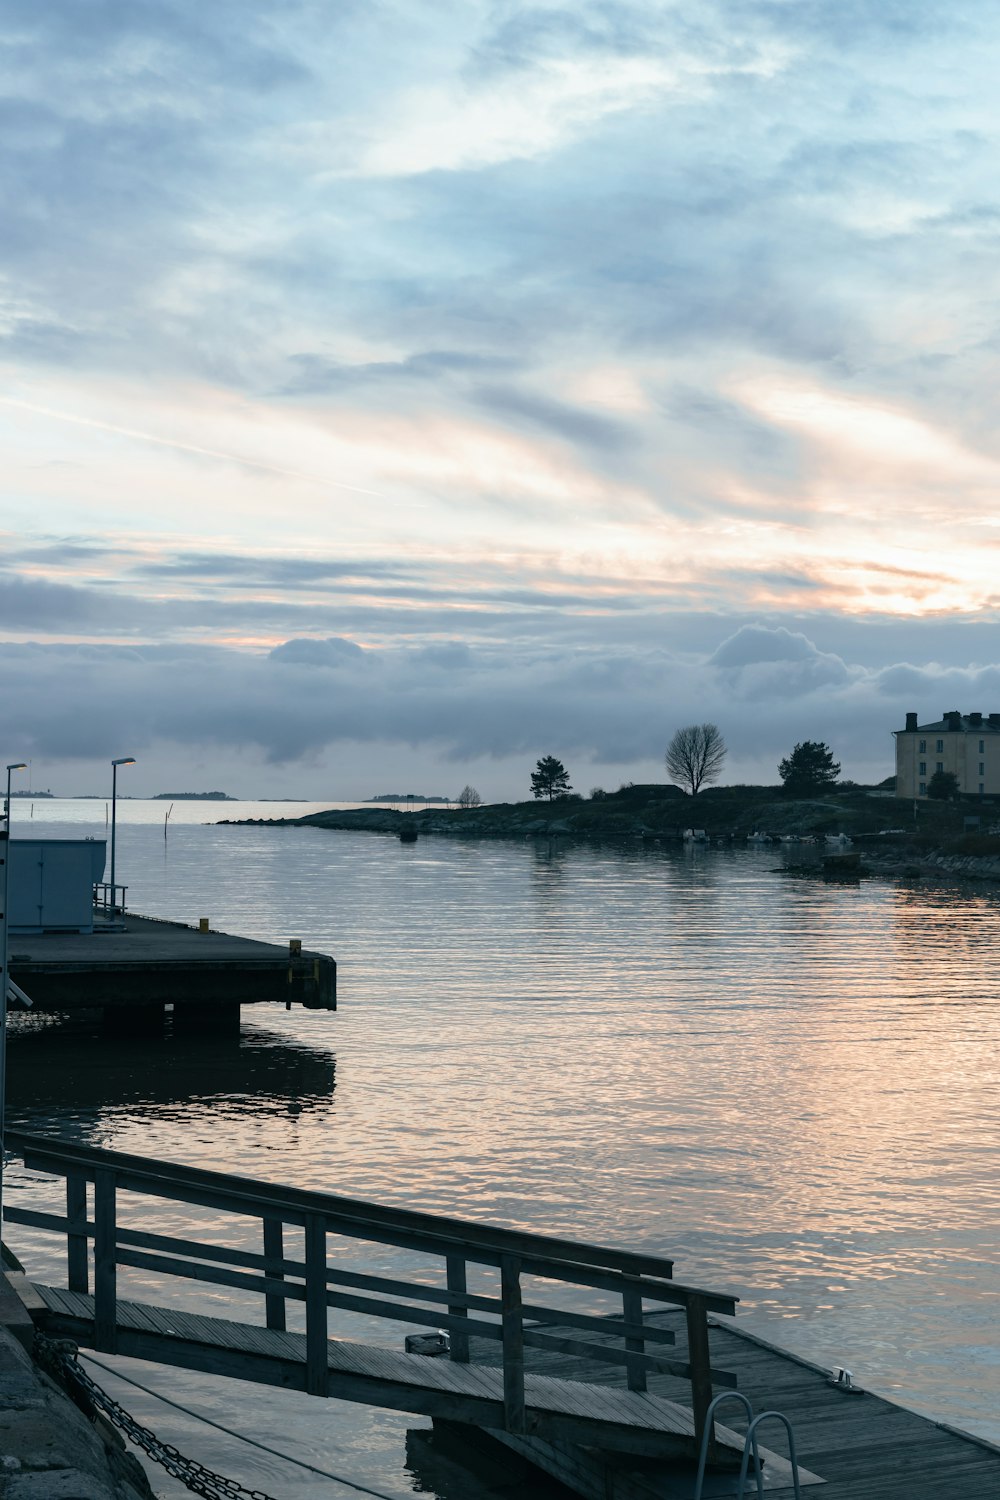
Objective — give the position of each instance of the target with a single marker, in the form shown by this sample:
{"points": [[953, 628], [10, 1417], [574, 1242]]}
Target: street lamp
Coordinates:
{"points": [[16, 765], [126, 760]]}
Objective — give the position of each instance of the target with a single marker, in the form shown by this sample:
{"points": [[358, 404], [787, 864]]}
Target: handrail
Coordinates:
{"points": [[436, 1231], [751, 1441], [280, 1278], [745, 1402]]}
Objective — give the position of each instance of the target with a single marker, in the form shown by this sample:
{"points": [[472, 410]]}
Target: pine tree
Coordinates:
{"points": [[550, 778]]}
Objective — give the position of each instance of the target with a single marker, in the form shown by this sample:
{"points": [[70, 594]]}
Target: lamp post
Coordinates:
{"points": [[126, 760], [17, 765]]}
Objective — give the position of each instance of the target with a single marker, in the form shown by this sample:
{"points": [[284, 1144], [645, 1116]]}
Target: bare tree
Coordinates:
{"points": [[469, 797], [695, 755]]}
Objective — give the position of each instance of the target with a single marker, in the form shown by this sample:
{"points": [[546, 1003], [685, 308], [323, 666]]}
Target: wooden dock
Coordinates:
{"points": [[861, 1446], [614, 1407], [568, 1410], [110, 1197], [134, 972]]}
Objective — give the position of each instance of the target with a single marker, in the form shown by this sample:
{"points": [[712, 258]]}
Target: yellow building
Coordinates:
{"points": [[967, 745]]}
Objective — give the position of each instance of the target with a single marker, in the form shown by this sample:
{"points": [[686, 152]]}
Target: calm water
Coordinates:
{"points": [[789, 1087]]}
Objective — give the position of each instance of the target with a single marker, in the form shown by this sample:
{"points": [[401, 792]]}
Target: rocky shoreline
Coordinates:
{"points": [[937, 849]]}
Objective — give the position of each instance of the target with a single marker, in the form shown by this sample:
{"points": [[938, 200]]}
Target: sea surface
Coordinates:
{"points": [[790, 1087]]}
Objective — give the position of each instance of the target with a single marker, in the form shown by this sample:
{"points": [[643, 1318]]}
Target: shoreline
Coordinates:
{"points": [[640, 817]]}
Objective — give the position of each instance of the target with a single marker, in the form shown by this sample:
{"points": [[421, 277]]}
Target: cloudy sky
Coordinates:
{"points": [[395, 392]]}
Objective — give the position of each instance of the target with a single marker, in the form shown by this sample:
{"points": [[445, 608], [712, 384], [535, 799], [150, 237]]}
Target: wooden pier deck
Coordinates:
{"points": [[860, 1445], [149, 964], [570, 1410], [611, 1406]]}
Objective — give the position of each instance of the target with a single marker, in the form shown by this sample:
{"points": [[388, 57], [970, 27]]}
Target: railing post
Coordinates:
{"points": [[317, 1363], [274, 1253], [632, 1309], [77, 1259], [699, 1359], [459, 1342], [513, 1344], [105, 1262]]}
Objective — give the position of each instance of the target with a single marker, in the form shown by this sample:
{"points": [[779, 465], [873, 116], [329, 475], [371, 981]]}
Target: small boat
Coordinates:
{"points": [[695, 836], [408, 835], [759, 838], [838, 840]]}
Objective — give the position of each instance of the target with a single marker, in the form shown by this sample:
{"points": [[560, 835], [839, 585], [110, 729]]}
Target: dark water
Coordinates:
{"points": [[790, 1087]]}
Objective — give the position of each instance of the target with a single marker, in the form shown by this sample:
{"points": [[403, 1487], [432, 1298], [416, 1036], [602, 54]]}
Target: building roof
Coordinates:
{"points": [[957, 724]]}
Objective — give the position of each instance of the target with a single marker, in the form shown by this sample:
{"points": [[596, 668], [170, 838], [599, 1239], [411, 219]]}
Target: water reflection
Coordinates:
{"points": [[65, 1077], [789, 1086]]}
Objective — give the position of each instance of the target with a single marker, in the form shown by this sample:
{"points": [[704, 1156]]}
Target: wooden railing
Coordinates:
{"points": [[279, 1278]]}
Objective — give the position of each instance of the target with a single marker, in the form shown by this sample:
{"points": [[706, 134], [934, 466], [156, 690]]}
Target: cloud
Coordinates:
{"points": [[611, 708], [333, 652]]}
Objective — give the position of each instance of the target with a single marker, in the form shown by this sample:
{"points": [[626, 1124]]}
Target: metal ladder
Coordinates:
{"points": [[749, 1446]]}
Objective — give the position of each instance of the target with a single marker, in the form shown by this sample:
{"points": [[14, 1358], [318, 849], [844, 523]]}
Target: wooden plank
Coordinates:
{"points": [[77, 1247], [513, 1345], [274, 1254], [458, 1306], [701, 1366], [632, 1312], [105, 1269], [566, 1410], [316, 1341]]}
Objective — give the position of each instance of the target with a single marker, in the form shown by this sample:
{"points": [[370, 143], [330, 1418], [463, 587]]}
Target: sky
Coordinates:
{"points": [[394, 393]]}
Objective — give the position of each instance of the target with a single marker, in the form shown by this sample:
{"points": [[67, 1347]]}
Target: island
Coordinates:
{"points": [[193, 797], [409, 797]]}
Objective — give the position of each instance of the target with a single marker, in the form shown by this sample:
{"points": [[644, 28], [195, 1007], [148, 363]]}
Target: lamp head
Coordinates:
{"points": [[18, 765], [126, 760]]}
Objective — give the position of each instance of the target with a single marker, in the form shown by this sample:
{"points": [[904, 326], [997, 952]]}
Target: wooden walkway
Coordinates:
{"points": [[152, 963], [862, 1446], [568, 1410], [609, 1405]]}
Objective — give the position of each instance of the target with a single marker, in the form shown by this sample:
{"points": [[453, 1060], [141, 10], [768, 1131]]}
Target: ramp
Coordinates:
{"points": [[555, 1410]]}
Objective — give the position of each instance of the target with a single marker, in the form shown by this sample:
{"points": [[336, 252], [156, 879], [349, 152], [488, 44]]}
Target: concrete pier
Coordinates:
{"points": [[134, 973]]}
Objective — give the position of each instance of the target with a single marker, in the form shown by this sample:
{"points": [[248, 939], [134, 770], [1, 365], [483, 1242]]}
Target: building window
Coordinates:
{"points": [[982, 747], [940, 747], [923, 768], [923, 746], [981, 789], [939, 766], [982, 770], [923, 789]]}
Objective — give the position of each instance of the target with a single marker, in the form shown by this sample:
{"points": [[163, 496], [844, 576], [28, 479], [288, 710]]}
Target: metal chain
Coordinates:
{"points": [[58, 1358]]}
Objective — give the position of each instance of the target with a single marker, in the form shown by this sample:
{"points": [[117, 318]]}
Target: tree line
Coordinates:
{"points": [[695, 758]]}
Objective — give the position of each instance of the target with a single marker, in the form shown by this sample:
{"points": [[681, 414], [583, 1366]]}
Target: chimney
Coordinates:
{"points": [[975, 720], [911, 723], [995, 720], [954, 720]]}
